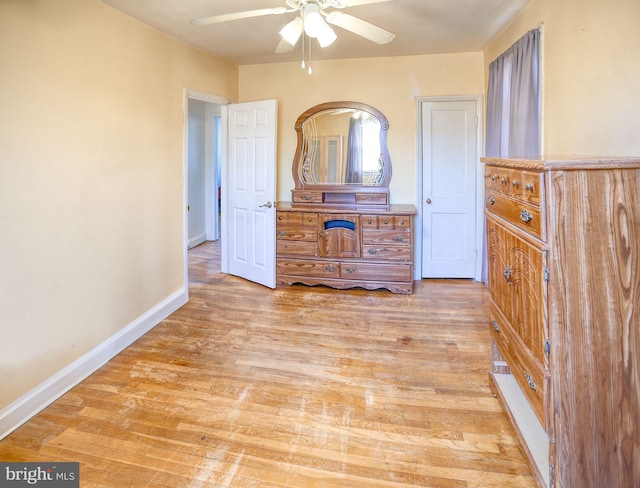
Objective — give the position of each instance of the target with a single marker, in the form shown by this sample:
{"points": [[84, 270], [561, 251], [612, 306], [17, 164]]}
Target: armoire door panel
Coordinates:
{"points": [[526, 295], [497, 269], [516, 279]]}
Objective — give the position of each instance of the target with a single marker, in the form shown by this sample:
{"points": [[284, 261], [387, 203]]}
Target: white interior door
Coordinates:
{"points": [[250, 191], [450, 159]]}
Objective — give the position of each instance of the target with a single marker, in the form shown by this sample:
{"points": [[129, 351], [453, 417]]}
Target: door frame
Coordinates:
{"points": [[478, 99], [214, 178], [210, 98]]}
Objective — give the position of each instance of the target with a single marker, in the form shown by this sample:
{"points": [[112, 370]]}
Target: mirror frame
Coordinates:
{"points": [[299, 157]]}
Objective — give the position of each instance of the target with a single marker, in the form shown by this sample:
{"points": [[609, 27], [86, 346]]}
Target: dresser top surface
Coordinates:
{"points": [[565, 162], [375, 210]]}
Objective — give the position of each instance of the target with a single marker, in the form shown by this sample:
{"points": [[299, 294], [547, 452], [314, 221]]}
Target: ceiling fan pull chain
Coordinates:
{"points": [[302, 65]]}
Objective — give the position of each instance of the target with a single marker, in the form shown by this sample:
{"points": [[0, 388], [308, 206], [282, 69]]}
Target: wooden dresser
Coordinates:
{"points": [[345, 247], [339, 229], [563, 245]]}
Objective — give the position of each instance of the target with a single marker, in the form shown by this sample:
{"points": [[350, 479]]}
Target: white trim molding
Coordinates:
{"points": [[31, 403]]}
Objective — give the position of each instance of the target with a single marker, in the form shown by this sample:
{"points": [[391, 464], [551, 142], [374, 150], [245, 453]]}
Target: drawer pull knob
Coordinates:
{"points": [[491, 200], [306, 197], [495, 326], [369, 221], [525, 216], [279, 217], [309, 219], [350, 270], [330, 268], [402, 222], [530, 382], [507, 273], [373, 251], [386, 222], [515, 183], [530, 186], [282, 233], [494, 177], [503, 180], [398, 238]]}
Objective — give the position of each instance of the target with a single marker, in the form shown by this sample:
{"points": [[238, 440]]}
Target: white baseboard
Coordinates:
{"points": [[28, 405], [199, 239]]}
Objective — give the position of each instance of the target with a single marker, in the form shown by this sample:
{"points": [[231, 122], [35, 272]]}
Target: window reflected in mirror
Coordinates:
{"points": [[341, 146]]}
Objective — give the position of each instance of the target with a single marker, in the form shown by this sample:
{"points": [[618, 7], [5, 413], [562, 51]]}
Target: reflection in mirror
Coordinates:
{"points": [[341, 146]]}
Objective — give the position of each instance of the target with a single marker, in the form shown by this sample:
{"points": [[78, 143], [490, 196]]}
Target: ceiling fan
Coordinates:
{"points": [[313, 20]]}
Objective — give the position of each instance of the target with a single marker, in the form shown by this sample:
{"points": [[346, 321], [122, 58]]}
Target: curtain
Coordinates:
{"points": [[354, 152], [513, 108]]}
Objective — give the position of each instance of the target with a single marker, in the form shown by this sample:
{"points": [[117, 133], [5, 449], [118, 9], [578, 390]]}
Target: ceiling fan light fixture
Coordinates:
{"points": [[326, 36], [292, 31], [313, 20]]}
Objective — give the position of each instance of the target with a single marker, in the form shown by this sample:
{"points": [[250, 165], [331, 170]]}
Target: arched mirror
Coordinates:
{"points": [[342, 155]]}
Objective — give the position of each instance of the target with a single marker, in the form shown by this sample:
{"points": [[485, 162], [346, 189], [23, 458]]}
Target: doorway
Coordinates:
{"points": [[450, 189], [238, 148], [203, 171]]}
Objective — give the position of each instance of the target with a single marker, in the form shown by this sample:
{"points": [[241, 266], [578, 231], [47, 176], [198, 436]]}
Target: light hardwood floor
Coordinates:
{"points": [[298, 387]]}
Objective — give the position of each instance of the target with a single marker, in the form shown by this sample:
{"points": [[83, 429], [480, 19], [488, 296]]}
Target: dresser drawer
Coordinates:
{"points": [[386, 222], [297, 219], [371, 199], [400, 237], [527, 186], [519, 213], [297, 226], [306, 196], [300, 248], [308, 268], [497, 178], [376, 272], [528, 372], [291, 233], [524, 185], [381, 252]]}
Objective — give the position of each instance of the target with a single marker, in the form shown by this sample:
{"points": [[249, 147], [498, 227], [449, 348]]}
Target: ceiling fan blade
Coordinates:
{"points": [[360, 27], [284, 47], [354, 3], [217, 19]]}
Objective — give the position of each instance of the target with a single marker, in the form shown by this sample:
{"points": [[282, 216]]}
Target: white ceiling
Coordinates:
{"points": [[421, 27]]}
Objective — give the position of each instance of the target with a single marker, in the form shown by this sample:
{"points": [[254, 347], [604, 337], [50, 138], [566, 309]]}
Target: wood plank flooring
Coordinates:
{"points": [[294, 387]]}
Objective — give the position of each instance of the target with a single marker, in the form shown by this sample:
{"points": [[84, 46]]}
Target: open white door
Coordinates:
{"points": [[450, 159], [250, 191]]}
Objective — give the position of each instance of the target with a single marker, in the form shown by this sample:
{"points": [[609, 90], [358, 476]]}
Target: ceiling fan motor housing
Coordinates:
{"points": [[300, 4]]}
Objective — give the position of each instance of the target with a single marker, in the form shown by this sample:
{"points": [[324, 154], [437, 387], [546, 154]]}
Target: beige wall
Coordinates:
{"points": [[91, 177], [389, 84], [591, 73]]}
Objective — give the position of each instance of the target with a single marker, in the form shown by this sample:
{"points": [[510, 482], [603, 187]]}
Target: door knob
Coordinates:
{"points": [[428, 201], [268, 205]]}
